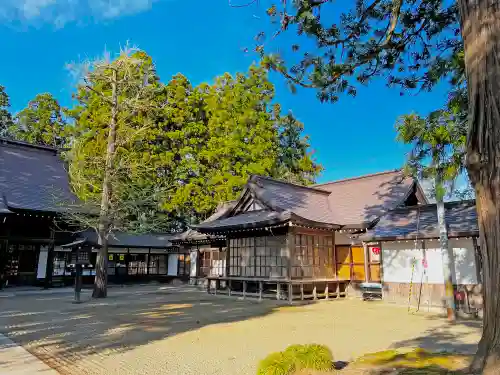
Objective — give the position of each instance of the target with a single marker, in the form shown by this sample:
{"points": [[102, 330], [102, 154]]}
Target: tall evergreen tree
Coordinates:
{"points": [[42, 122], [5, 115]]}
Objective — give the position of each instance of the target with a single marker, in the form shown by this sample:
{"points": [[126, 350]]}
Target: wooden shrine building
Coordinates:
{"points": [[34, 188], [295, 242]]}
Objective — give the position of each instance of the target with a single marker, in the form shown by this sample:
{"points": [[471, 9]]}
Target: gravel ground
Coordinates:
{"points": [[184, 331]]}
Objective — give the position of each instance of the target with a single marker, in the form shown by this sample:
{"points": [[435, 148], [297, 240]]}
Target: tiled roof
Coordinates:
{"points": [[363, 199], [193, 235], [355, 202], [32, 177], [251, 219], [309, 203], [402, 223]]}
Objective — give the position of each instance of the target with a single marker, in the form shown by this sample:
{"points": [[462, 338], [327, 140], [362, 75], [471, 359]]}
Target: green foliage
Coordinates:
{"points": [[296, 358], [438, 144], [5, 115], [41, 122], [276, 364], [412, 43]]}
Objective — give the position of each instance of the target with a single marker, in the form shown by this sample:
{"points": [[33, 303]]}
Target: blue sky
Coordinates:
{"points": [[201, 39]]}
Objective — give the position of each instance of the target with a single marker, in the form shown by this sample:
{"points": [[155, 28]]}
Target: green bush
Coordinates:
{"points": [[295, 358], [311, 357], [276, 364]]}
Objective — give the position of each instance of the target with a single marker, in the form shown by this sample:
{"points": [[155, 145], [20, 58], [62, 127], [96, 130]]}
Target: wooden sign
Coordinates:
{"points": [[376, 250]]}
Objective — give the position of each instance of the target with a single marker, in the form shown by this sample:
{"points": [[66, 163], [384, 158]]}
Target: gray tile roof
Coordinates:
{"points": [[32, 177], [308, 203], [402, 223], [363, 199], [251, 219], [355, 202]]}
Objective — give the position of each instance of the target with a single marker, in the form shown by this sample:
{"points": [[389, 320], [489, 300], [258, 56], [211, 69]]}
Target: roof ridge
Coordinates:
{"points": [[28, 145], [432, 205], [358, 177], [290, 183]]}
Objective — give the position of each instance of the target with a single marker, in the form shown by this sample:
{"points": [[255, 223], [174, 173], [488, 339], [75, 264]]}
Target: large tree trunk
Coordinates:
{"points": [[101, 275], [480, 23]]}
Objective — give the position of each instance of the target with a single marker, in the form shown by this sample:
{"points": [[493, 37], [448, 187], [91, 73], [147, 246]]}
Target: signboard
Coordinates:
{"points": [[374, 253], [110, 257], [122, 257], [376, 250]]}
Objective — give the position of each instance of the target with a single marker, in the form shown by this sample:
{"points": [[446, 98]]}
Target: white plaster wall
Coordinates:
{"points": [[397, 262], [464, 259]]}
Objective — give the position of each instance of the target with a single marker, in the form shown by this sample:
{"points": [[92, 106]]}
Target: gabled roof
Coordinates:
{"points": [[351, 203], [421, 222], [32, 177], [361, 200]]}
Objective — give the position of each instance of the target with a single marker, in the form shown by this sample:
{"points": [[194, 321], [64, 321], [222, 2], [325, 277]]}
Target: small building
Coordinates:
{"points": [[295, 242], [34, 186], [412, 261]]}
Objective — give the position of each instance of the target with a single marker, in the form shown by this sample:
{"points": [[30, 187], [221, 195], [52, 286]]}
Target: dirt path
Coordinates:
{"points": [[180, 331]]}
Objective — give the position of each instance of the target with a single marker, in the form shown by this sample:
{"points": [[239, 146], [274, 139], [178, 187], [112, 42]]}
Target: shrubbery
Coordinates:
{"points": [[295, 358]]}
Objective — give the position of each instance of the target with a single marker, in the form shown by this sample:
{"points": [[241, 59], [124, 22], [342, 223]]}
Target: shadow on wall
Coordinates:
{"points": [[55, 327]]}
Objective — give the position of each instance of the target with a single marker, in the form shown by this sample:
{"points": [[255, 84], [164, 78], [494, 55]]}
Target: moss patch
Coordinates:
{"points": [[297, 358], [415, 362]]}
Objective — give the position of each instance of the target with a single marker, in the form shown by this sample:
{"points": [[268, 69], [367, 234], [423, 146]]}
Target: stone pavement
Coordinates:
{"points": [[15, 360], [183, 331]]}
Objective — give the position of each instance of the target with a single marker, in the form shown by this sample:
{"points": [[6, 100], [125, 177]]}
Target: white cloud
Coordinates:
{"points": [[60, 12]]}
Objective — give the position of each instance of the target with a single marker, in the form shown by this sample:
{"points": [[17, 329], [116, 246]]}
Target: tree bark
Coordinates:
{"points": [[101, 276], [446, 254], [480, 25]]}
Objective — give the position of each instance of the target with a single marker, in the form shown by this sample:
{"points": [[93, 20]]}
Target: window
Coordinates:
{"points": [[184, 264], [157, 264], [137, 264], [264, 257], [313, 256]]}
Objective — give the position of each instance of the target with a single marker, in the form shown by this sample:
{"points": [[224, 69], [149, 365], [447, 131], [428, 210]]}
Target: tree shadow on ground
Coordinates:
{"points": [[62, 333]]}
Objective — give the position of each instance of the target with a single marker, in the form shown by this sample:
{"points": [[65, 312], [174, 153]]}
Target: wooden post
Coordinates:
{"points": [[217, 283], [260, 290], [49, 267], [229, 286], [337, 289], [301, 291], [244, 289], [290, 293], [208, 285], [290, 249], [315, 297], [326, 291], [367, 262], [278, 291]]}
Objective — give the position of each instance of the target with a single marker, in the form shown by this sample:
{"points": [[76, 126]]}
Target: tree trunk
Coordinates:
{"points": [[101, 275], [480, 24], [448, 259]]}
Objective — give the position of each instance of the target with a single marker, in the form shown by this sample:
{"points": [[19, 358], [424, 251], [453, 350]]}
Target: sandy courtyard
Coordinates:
{"points": [[183, 331]]}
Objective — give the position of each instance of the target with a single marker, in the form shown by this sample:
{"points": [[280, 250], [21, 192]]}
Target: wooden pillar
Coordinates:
{"points": [[334, 250], [49, 268], [228, 250], [208, 285], [229, 286], [290, 293], [244, 289], [278, 291], [326, 291], [302, 291], [367, 262], [290, 249], [315, 296], [148, 263], [261, 286]]}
